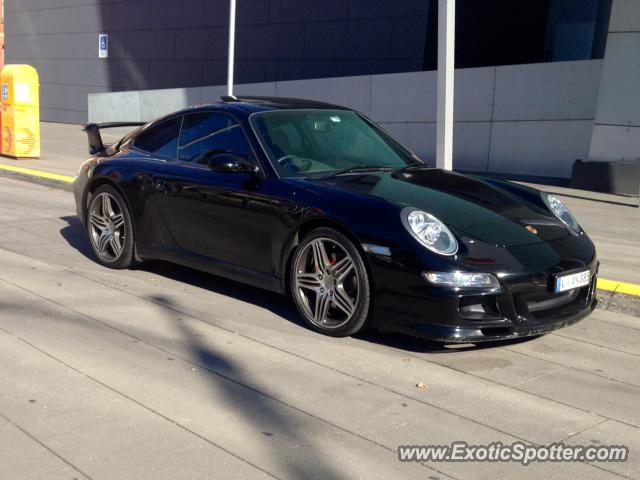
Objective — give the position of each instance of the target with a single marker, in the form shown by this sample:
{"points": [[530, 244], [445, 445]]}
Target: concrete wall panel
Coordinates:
{"points": [[539, 148], [259, 89], [349, 91], [405, 97], [616, 135], [420, 138], [625, 139], [620, 75], [547, 91], [625, 16], [471, 146], [155, 103], [114, 107], [473, 99]]}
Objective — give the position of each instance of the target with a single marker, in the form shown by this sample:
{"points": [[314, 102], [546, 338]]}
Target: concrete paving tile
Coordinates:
{"points": [[101, 432], [611, 432], [603, 362], [616, 318], [23, 457], [608, 335], [614, 400]]}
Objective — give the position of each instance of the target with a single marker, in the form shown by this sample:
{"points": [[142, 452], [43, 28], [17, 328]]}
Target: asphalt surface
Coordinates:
{"points": [[165, 372]]}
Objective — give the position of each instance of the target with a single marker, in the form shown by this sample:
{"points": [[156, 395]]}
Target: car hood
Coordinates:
{"points": [[468, 204]]}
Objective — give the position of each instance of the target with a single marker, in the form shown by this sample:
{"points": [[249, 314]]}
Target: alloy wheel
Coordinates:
{"points": [[107, 227], [326, 283]]}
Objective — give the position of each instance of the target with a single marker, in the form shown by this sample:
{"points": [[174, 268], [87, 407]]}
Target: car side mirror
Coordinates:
{"points": [[231, 163]]}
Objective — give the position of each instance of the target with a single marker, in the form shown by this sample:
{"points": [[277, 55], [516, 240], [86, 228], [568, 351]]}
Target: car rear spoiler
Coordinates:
{"points": [[96, 147]]}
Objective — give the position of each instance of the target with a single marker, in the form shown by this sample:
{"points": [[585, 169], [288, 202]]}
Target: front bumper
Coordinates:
{"points": [[487, 333], [524, 306]]}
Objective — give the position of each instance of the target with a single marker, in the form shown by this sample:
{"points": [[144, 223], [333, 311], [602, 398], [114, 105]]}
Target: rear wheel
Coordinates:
{"points": [[330, 284], [110, 228]]}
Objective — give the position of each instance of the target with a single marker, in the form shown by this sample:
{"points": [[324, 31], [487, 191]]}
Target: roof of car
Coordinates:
{"points": [[245, 106], [279, 103], [252, 104]]}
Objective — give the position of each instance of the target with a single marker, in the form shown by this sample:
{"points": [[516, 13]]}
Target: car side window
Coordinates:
{"points": [[204, 134], [161, 139]]}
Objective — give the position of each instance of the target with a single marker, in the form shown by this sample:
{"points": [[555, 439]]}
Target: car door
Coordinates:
{"points": [[145, 155], [222, 216]]}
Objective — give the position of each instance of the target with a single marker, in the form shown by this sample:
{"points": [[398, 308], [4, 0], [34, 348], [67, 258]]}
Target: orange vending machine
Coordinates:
{"points": [[20, 111]]}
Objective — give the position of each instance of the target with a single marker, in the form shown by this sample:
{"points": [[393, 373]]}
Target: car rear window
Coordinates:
{"points": [[161, 139]]}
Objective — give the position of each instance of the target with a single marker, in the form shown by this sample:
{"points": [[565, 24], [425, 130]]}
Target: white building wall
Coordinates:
{"points": [[526, 119], [616, 132]]}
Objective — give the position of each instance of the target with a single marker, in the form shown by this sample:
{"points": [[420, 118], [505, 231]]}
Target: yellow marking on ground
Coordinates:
{"points": [[36, 173], [618, 287]]}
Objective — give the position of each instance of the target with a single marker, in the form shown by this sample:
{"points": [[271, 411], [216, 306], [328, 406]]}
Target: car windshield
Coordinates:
{"points": [[304, 143]]}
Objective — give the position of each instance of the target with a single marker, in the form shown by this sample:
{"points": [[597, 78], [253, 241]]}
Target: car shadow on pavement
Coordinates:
{"points": [[76, 236], [280, 305]]}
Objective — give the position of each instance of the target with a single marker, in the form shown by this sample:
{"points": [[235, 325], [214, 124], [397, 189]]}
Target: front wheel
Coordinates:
{"points": [[329, 283]]}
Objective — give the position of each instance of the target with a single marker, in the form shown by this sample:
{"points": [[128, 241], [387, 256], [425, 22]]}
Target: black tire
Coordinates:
{"points": [[360, 306], [111, 257]]}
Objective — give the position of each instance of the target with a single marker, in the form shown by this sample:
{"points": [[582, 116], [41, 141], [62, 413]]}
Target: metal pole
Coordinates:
{"points": [[446, 72], [232, 46]]}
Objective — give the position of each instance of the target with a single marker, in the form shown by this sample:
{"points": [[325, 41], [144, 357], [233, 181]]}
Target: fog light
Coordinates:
{"points": [[462, 279]]}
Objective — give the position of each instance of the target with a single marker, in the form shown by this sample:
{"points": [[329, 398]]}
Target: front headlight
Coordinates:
{"points": [[429, 231], [561, 211]]}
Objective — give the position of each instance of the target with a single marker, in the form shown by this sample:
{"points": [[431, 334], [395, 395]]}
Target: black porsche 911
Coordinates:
{"points": [[316, 201]]}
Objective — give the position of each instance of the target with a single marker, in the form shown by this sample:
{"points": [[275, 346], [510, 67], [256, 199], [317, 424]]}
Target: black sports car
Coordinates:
{"points": [[316, 201]]}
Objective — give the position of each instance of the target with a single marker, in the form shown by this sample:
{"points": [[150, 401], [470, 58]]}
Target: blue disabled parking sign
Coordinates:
{"points": [[103, 45]]}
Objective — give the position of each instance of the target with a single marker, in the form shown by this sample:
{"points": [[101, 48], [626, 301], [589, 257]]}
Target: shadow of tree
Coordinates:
{"points": [[280, 305], [251, 400], [247, 398]]}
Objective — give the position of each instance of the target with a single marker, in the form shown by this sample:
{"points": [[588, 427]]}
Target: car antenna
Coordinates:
{"points": [[229, 98]]}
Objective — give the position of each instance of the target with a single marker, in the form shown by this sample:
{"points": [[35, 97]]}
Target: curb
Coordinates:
{"points": [[618, 302], [52, 180], [619, 287]]}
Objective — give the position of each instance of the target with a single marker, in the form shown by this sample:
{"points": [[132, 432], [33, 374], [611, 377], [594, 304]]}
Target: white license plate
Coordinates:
{"points": [[569, 282]]}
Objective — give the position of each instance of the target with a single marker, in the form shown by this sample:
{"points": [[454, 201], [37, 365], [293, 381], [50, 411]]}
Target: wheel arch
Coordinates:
{"points": [[94, 185], [98, 182], [302, 231]]}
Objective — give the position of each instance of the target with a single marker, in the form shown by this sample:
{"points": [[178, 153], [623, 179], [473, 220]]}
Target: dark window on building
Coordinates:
{"points": [[574, 29], [509, 32], [204, 134], [161, 139]]}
